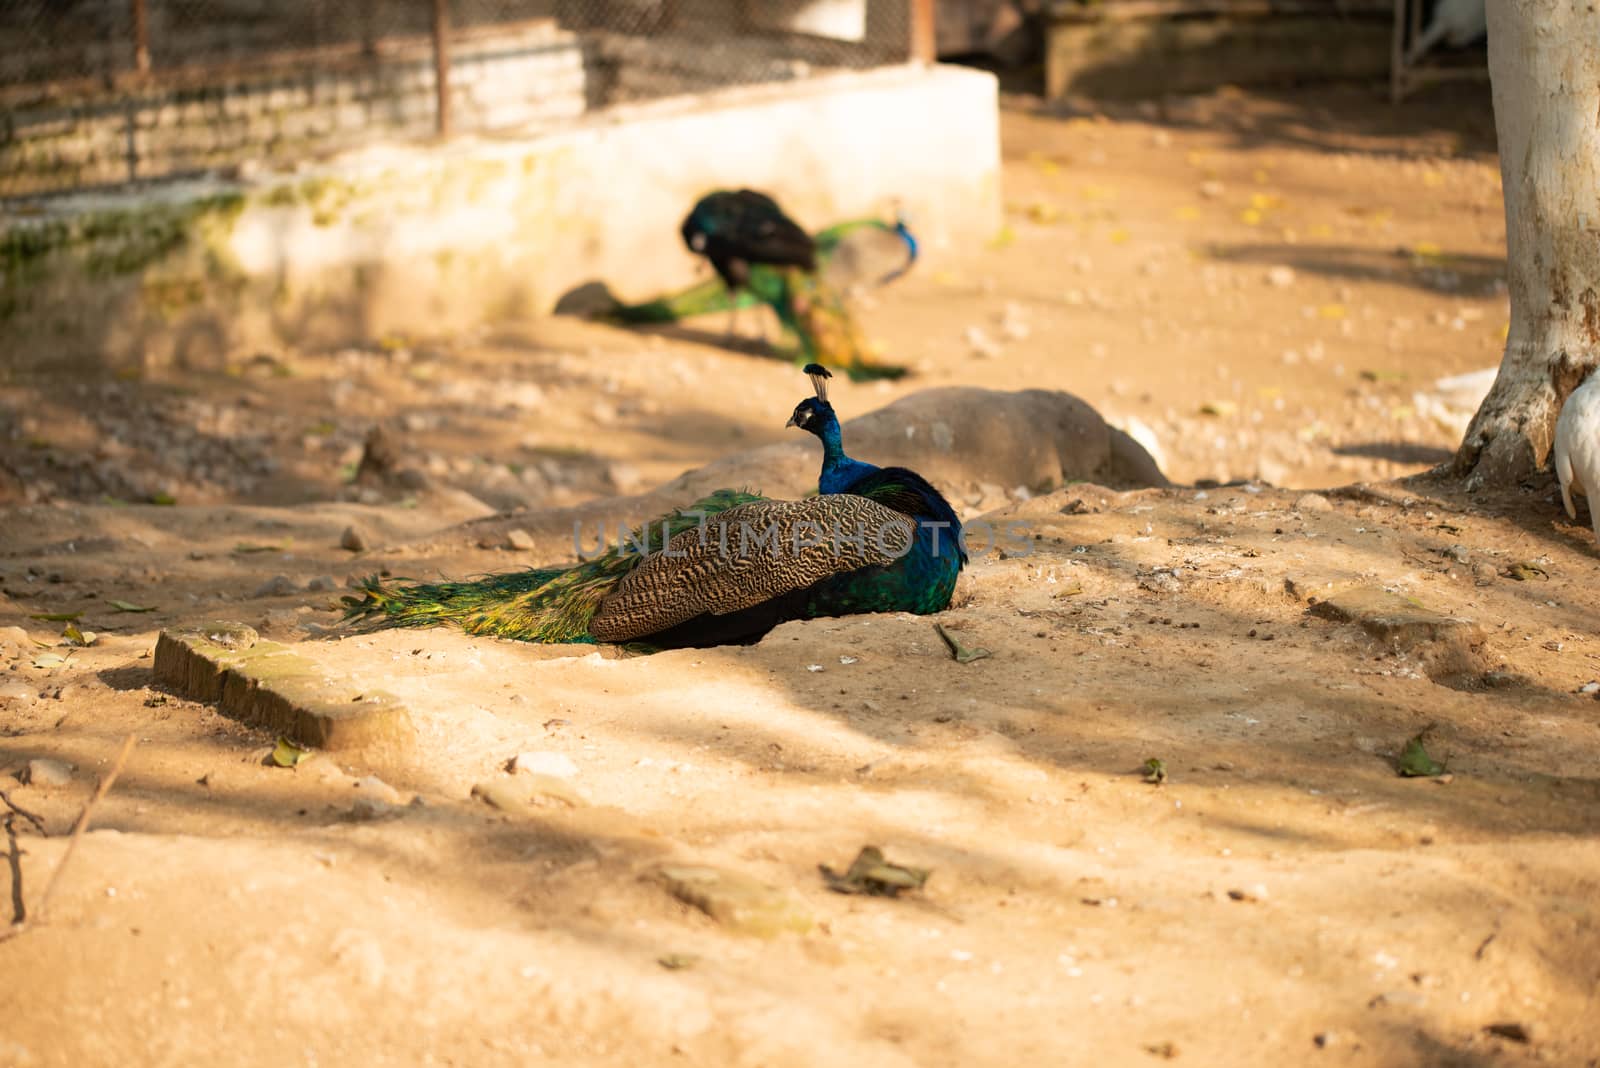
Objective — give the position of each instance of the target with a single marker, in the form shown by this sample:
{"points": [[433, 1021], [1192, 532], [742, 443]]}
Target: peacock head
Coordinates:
{"points": [[813, 415]]}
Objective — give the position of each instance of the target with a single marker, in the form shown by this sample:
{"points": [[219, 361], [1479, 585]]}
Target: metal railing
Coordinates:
{"points": [[103, 92]]}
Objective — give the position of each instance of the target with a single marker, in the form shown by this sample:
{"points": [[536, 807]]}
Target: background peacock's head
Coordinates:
{"points": [[812, 415], [694, 234]]}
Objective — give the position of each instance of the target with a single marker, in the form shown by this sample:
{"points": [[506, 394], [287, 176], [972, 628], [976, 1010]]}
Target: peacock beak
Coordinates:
{"points": [[790, 423]]}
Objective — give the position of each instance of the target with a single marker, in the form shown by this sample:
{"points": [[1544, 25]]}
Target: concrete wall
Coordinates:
{"points": [[421, 241]]}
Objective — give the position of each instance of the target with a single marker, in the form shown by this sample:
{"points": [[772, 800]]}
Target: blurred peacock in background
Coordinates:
{"points": [[725, 570], [762, 257]]}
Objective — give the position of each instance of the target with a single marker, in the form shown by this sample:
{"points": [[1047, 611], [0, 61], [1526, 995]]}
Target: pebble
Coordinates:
{"points": [[42, 771], [1280, 277], [558, 765], [371, 808], [1588, 687], [374, 787], [983, 346], [322, 584], [353, 539], [277, 586], [519, 540], [15, 690], [1312, 502]]}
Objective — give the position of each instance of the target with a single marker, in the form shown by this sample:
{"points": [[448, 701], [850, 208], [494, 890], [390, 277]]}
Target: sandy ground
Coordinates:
{"points": [[1264, 287]]}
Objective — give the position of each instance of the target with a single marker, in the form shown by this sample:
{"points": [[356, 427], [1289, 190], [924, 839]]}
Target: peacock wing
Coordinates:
{"points": [[747, 555]]}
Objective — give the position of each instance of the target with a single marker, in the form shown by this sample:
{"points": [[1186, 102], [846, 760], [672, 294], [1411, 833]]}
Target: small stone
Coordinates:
{"points": [[543, 789], [557, 764], [1312, 502], [15, 690], [1484, 574], [1160, 582], [410, 478], [1212, 189], [321, 584], [505, 796], [1280, 277], [42, 771], [353, 539], [520, 540], [734, 900], [1515, 1032], [1588, 687], [1254, 893], [277, 586], [372, 786], [1325, 1039], [1408, 999], [371, 808]]}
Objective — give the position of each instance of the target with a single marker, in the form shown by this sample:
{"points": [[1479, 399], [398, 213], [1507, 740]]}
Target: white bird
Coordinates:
{"points": [[1577, 449], [1455, 22]]}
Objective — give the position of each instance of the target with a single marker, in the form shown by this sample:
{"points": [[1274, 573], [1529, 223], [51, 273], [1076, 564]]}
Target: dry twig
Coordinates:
{"points": [[78, 828], [38, 824]]}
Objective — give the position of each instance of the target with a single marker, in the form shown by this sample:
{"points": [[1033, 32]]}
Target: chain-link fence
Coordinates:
{"points": [[105, 92]]}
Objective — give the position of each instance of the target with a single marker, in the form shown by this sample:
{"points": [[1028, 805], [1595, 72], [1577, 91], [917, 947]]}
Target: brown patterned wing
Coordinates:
{"points": [[747, 555]]}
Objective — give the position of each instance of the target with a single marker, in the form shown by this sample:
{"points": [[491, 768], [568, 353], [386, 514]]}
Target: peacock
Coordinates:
{"points": [[812, 305], [737, 229], [725, 570]]}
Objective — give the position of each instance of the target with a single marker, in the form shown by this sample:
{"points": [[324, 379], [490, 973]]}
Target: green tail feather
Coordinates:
{"points": [[703, 299], [552, 604]]}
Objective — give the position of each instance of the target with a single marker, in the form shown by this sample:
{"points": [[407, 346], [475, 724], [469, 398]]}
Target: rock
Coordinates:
{"points": [[1161, 582], [557, 764], [1280, 277], [507, 796], [520, 540], [412, 479], [734, 900], [374, 787], [1515, 1032], [379, 457], [277, 586], [546, 788], [353, 539], [1450, 648], [268, 685], [1312, 502], [15, 690], [982, 345], [372, 808], [321, 584], [16, 636], [42, 771]]}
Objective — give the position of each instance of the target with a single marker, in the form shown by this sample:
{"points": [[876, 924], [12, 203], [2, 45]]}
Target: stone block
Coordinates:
{"points": [[267, 685]]}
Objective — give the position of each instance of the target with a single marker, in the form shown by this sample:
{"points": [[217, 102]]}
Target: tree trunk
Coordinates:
{"points": [[1544, 67]]}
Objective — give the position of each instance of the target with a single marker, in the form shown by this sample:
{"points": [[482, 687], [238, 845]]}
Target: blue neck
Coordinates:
{"points": [[838, 470]]}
